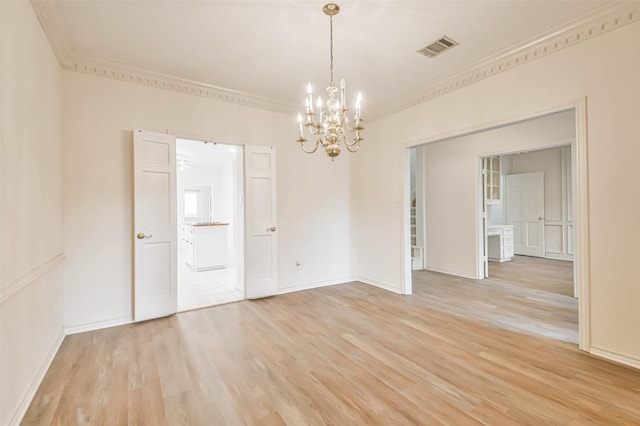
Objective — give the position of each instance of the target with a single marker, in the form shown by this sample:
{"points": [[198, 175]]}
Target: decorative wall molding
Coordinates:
{"points": [[7, 291], [379, 284], [448, 271], [18, 415], [98, 325], [593, 25], [615, 357], [316, 284]]}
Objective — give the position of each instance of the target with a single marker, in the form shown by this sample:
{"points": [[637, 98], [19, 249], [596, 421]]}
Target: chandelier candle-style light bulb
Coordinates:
{"points": [[332, 125]]}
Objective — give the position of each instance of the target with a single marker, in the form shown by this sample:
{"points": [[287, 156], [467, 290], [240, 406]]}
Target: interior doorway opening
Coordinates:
{"points": [[528, 219], [210, 223], [454, 188]]}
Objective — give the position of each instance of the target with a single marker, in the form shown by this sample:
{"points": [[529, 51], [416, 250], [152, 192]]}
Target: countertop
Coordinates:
{"points": [[493, 230]]}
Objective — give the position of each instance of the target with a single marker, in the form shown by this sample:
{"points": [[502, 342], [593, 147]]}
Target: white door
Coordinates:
{"points": [[261, 232], [155, 273], [525, 211]]}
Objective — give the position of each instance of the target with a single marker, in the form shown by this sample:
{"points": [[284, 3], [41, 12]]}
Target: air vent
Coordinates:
{"points": [[439, 46]]}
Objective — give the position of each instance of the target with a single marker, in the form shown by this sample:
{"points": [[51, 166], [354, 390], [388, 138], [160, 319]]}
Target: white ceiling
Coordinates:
{"points": [[272, 49]]}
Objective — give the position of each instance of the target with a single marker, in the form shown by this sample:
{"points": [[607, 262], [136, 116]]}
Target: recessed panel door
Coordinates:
{"points": [[261, 224], [525, 211], [154, 232]]}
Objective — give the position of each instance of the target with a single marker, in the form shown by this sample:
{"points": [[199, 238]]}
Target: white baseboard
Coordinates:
{"points": [[559, 256], [379, 284], [74, 329], [448, 271], [616, 357], [31, 391], [318, 284]]}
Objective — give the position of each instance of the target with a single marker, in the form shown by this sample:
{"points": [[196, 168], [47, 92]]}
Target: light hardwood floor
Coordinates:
{"points": [[554, 276], [340, 355], [501, 304]]}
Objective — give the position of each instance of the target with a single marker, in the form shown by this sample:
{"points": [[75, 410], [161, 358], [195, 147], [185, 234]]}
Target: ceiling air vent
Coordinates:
{"points": [[439, 46]]}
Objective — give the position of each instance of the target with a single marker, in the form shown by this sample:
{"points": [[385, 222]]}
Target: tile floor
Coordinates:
{"points": [[206, 288]]}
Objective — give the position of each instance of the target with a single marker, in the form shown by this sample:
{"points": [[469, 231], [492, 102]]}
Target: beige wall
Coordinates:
{"points": [[99, 114], [607, 76], [31, 276]]}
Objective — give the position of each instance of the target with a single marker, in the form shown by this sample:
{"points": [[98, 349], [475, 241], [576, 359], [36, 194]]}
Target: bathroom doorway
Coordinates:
{"points": [[210, 223]]}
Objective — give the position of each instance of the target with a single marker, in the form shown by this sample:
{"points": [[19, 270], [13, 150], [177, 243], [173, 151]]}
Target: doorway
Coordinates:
{"points": [[210, 221], [453, 176], [528, 219]]}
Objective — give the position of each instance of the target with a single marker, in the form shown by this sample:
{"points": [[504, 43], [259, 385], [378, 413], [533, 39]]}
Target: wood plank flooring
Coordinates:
{"points": [[554, 276], [349, 354], [501, 304]]}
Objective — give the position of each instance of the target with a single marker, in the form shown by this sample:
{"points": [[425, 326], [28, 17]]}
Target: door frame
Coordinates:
{"points": [[580, 204]]}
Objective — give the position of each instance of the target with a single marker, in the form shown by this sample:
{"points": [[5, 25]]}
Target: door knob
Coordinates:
{"points": [[142, 235], [540, 218], [272, 229]]}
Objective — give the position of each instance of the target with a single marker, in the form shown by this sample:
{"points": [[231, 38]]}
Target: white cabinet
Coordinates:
{"points": [[205, 245], [500, 240], [492, 180]]}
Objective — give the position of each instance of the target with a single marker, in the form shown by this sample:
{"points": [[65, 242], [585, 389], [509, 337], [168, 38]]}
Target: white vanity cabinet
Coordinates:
{"points": [[500, 241], [205, 245]]}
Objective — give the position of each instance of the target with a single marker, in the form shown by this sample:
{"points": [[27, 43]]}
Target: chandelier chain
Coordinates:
{"points": [[331, 49]]}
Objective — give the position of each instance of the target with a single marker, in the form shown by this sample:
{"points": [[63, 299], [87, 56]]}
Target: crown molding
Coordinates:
{"points": [[124, 72], [586, 28], [104, 67], [600, 22]]}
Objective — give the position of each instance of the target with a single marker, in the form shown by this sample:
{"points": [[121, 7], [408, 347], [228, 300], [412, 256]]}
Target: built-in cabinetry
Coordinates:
{"points": [[500, 242], [492, 179], [205, 245]]}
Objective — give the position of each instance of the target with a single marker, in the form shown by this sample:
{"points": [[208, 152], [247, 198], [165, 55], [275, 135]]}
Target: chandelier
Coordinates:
{"points": [[332, 124]]}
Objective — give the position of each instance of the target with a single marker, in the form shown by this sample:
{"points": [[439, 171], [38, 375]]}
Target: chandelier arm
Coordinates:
{"points": [[356, 141], [350, 146], [313, 150], [355, 129]]}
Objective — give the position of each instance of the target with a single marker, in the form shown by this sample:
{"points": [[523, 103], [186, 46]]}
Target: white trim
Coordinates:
{"points": [[98, 325], [406, 282], [581, 244], [379, 284], [558, 256], [15, 286], [448, 271], [599, 22], [37, 380], [616, 357], [109, 68], [317, 284]]}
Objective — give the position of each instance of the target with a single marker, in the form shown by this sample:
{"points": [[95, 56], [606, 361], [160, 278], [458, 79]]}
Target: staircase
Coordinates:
{"points": [[416, 252]]}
